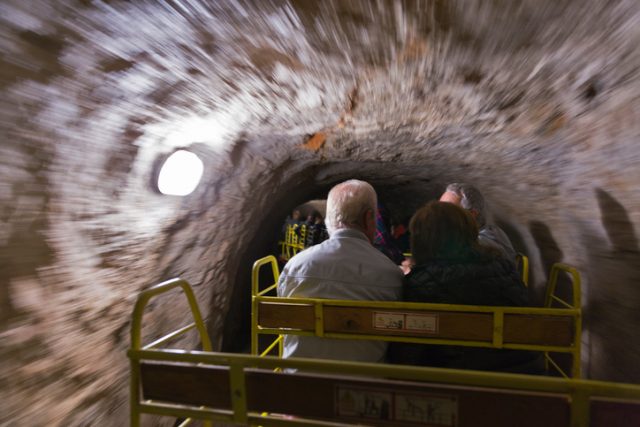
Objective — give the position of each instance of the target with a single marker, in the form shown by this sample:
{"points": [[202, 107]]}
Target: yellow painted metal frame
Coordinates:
{"points": [[522, 261], [580, 391], [294, 241], [573, 310], [137, 408], [551, 298]]}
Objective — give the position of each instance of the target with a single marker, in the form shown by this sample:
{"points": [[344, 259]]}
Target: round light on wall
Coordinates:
{"points": [[180, 174]]}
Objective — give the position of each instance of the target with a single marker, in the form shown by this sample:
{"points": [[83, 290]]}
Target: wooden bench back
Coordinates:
{"points": [[520, 328], [380, 398], [533, 328]]}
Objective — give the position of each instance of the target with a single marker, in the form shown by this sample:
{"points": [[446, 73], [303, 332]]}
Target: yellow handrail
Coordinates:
{"points": [[136, 334], [551, 297], [522, 262], [255, 290]]}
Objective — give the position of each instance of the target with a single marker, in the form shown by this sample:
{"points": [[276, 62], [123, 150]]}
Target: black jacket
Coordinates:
{"points": [[493, 281], [486, 281]]}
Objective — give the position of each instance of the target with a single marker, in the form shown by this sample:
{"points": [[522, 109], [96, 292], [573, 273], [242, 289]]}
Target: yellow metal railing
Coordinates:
{"points": [[320, 306], [255, 279], [580, 394], [294, 240], [551, 297], [136, 337], [522, 263]]}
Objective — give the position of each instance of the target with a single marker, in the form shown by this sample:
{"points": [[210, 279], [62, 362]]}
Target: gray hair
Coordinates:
{"points": [[470, 199], [347, 202]]}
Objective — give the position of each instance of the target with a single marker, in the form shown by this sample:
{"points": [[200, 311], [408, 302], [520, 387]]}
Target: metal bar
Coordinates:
{"points": [[272, 345], [551, 286], [561, 301], [319, 319], [204, 413], [267, 290], [498, 328], [255, 307], [197, 317], [255, 291], [238, 391], [525, 269], [549, 359], [580, 408], [169, 410], [168, 337], [576, 367], [136, 335], [376, 370], [418, 306], [419, 340], [134, 394], [255, 271]]}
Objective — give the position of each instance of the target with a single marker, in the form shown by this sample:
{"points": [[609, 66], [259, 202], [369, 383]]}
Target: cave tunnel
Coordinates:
{"points": [[535, 102]]}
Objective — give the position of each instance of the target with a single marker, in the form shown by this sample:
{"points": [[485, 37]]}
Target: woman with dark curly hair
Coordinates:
{"points": [[451, 267]]}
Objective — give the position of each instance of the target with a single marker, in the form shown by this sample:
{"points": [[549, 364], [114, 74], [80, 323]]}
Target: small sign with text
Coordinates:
{"points": [[427, 322]]}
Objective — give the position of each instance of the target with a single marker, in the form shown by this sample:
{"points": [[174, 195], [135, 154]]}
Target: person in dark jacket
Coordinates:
{"points": [[451, 267]]}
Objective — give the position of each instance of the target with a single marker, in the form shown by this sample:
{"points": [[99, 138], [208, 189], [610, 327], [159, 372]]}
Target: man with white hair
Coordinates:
{"points": [[347, 267], [469, 197]]}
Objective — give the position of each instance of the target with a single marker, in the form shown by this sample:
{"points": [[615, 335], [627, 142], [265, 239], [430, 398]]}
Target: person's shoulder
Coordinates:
{"points": [[311, 254]]}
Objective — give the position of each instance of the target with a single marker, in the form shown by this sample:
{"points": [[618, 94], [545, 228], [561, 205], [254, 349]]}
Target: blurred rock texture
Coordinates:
{"points": [[537, 102]]}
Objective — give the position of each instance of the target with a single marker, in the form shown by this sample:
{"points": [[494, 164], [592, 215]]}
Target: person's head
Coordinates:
{"points": [[295, 215], [352, 204], [468, 197], [442, 230]]}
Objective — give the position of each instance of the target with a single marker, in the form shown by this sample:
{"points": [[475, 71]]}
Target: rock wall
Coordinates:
{"points": [[535, 101]]}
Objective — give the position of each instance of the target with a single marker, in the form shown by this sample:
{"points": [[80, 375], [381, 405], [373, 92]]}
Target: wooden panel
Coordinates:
{"points": [[454, 325], [538, 329], [186, 384], [614, 413], [286, 315], [518, 328], [322, 397], [327, 397]]}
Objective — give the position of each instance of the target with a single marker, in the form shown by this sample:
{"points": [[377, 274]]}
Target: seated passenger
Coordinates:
{"points": [[469, 197], [383, 240], [451, 267], [346, 266]]}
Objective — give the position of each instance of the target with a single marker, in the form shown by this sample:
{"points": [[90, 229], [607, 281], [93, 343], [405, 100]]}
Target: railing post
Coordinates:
{"points": [[498, 328], [319, 318], [237, 388]]}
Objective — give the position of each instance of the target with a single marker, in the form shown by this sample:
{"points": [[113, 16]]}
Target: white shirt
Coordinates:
{"points": [[344, 267]]}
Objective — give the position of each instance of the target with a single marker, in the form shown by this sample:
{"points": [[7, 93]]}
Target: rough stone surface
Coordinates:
{"points": [[536, 102]]}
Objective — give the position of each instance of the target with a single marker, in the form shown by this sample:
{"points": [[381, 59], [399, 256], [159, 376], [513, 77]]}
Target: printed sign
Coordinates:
{"points": [[388, 320], [363, 403], [433, 411], [396, 407], [422, 322], [406, 322]]}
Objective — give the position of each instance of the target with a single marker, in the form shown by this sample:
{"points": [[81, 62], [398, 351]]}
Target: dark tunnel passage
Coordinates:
{"points": [[535, 102]]}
